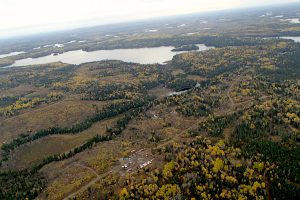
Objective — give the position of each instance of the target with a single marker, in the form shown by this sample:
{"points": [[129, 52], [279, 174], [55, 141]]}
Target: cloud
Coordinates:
{"points": [[16, 14]]}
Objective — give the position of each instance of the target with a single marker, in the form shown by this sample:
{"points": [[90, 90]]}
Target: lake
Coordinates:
{"points": [[11, 54], [292, 21], [296, 39], [140, 55]]}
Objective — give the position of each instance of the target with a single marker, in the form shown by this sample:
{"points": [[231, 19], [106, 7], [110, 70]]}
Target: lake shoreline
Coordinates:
{"points": [[152, 55]]}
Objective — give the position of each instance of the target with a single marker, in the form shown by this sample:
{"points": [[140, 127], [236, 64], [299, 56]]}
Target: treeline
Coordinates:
{"points": [[110, 111], [59, 157], [216, 41]]}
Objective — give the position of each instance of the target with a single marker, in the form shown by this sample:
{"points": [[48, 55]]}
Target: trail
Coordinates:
{"points": [[89, 184], [89, 168], [229, 97], [229, 90]]}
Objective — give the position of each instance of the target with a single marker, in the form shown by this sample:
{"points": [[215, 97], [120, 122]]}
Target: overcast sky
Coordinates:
{"points": [[32, 16]]}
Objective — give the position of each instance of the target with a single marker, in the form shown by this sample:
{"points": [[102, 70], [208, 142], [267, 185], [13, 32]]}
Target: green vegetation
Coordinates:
{"points": [[287, 160], [181, 84], [202, 169], [191, 47], [21, 185], [24, 103], [215, 126]]}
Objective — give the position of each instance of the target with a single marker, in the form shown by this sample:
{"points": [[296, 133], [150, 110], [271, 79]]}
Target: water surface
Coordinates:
{"points": [[140, 55], [11, 54], [296, 39]]}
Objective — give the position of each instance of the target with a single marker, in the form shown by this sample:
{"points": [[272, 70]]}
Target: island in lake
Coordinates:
{"points": [[191, 47]]}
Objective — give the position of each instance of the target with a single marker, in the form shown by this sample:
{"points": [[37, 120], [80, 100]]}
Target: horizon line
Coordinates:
{"points": [[80, 27]]}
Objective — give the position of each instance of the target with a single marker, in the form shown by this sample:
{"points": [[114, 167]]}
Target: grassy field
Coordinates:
{"points": [[24, 90], [69, 178], [63, 114], [66, 176], [159, 92], [34, 152]]}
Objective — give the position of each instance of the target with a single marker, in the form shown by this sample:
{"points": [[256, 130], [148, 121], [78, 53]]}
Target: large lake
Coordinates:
{"points": [[140, 55]]}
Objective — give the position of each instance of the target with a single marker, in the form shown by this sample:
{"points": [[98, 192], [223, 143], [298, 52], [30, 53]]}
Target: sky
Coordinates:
{"points": [[19, 17]]}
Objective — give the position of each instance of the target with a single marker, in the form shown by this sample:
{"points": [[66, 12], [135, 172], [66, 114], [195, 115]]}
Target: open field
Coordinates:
{"points": [[64, 113], [160, 92], [74, 173], [34, 152]]}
